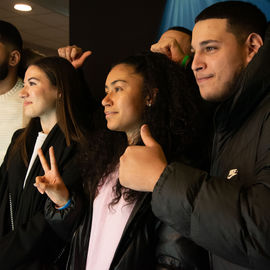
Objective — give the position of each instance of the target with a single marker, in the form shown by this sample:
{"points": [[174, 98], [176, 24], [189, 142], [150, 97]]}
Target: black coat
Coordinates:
{"points": [[227, 211], [146, 243], [26, 239]]}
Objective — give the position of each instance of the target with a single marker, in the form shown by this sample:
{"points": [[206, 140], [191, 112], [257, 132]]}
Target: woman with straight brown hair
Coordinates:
{"points": [[60, 117]]}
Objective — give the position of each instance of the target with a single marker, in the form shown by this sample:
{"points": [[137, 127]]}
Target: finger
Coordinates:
{"points": [[54, 166], [76, 52], [40, 185], [39, 189], [83, 57], [61, 52], [147, 138], [154, 47], [68, 53], [40, 179], [177, 54], [43, 161]]}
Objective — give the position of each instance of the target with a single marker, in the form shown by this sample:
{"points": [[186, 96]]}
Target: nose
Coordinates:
{"points": [[197, 63], [23, 93], [107, 100]]}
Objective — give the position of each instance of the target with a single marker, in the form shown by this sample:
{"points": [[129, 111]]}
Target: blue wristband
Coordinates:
{"points": [[65, 206]]}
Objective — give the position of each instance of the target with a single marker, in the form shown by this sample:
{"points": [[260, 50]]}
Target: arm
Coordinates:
{"points": [[225, 217], [63, 210], [34, 239], [179, 253], [64, 222]]}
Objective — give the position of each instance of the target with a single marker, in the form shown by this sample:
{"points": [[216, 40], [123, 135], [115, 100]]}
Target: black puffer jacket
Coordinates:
{"points": [[227, 211], [145, 244]]}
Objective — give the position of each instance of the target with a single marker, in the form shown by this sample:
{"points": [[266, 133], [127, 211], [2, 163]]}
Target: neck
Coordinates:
{"points": [[47, 123], [8, 83]]}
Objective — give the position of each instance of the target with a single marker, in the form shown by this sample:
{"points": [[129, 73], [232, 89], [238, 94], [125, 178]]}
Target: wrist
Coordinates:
{"points": [[185, 60], [63, 206]]}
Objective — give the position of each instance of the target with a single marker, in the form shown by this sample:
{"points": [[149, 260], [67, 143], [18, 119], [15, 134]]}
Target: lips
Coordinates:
{"points": [[109, 113], [203, 78], [27, 103]]}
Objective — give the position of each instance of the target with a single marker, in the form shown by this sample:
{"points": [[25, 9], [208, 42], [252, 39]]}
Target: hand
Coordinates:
{"points": [[141, 166], [51, 182], [74, 55], [169, 47]]}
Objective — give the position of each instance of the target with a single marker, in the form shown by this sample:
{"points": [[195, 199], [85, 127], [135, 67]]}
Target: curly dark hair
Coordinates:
{"points": [[172, 119]]}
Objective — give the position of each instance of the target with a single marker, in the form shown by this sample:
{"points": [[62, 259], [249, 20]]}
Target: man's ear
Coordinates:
{"points": [[254, 42], [151, 98], [14, 58]]}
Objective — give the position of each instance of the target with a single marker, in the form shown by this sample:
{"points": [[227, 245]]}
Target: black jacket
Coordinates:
{"points": [[26, 239], [145, 243], [227, 211]]}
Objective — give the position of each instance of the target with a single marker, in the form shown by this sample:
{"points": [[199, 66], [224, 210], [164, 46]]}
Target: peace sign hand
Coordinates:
{"points": [[51, 182]]}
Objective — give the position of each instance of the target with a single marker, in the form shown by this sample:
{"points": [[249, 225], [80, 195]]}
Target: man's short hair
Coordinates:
{"points": [[180, 29], [9, 35], [243, 18]]}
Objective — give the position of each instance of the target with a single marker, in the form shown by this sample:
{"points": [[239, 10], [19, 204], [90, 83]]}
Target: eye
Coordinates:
{"points": [[117, 88], [210, 48], [32, 83]]}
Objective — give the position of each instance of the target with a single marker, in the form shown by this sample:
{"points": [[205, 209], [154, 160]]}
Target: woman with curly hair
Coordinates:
{"points": [[119, 230]]}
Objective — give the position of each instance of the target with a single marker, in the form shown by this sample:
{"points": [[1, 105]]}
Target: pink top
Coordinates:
{"points": [[108, 224]]}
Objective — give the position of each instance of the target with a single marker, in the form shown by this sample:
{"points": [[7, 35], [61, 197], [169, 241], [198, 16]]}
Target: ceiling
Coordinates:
{"points": [[45, 28]]}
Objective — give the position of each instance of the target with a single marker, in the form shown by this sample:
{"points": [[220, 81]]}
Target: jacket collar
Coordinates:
{"points": [[252, 86]]}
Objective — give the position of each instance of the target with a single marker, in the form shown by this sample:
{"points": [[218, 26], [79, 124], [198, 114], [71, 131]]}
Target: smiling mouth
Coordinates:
{"points": [[108, 114], [27, 103], [203, 79]]}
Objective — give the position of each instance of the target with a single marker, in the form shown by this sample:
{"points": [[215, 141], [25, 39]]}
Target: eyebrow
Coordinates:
{"points": [[205, 43], [114, 82], [32, 78]]}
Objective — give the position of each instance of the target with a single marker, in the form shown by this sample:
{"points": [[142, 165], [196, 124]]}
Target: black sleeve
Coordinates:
{"points": [[65, 222], [179, 253], [225, 217]]}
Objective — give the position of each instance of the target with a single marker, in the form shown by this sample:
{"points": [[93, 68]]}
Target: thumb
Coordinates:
{"points": [[146, 136], [85, 55], [79, 62]]}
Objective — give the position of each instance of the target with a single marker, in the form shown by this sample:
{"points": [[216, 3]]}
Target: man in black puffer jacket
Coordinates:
{"points": [[225, 211]]}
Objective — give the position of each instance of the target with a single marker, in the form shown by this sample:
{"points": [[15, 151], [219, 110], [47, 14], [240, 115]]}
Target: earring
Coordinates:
{"points": [[149, 104]]}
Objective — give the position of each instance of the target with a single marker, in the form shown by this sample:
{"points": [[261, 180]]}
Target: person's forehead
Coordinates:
{"points": [[34, 71], [122, 72], [209, 29]]}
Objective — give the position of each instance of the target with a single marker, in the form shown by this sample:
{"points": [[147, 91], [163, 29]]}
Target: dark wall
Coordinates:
{"points": [[112, 29]]}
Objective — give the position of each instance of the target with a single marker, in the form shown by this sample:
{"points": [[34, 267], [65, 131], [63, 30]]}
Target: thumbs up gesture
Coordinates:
{"points": [[74, 55], [141, 166]]}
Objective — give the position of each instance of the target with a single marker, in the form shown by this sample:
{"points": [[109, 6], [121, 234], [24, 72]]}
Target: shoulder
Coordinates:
{"points": [[16, 134]]}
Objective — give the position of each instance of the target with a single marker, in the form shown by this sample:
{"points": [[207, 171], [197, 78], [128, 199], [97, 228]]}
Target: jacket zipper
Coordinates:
{"points": [[11, 212]]}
